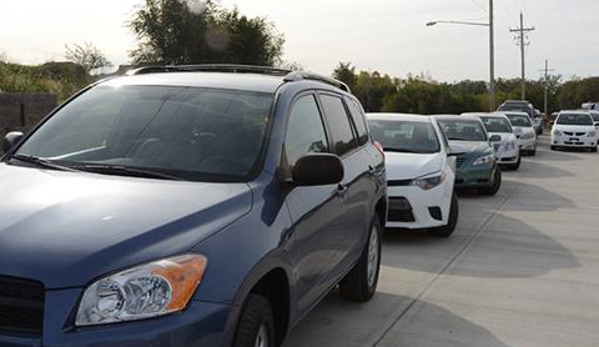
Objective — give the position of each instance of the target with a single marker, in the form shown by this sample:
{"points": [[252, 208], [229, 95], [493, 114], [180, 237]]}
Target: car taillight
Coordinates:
{"points": [[379, 147]]}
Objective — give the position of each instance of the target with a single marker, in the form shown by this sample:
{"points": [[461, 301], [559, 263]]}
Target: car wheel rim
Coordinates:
{"points": [[373, 256], [262, 337]]}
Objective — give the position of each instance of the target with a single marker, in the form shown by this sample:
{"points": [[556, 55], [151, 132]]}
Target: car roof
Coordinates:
{"points": [[475, 114], [398, 117], [515, 113], [218, 80]]}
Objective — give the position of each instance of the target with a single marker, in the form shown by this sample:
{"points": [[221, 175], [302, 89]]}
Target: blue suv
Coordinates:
{"points": [[188, 206]]}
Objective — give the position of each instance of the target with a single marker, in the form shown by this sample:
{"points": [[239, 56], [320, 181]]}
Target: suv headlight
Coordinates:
{"points": [[487, 159], [592, 134], [510, 146], [146, 291], [528, 136], [431, 181], [557, 133]]}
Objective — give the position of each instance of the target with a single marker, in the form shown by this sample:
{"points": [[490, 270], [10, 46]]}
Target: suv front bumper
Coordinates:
{"points": [[201, 324]]}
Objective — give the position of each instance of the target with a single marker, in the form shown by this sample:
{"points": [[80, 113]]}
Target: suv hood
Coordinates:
{"points": [[403, 166], [66, 229]]}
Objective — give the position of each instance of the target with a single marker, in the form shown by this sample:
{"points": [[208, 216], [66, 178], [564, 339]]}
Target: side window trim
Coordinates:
{"points": [[328, 125], [362, 117]]}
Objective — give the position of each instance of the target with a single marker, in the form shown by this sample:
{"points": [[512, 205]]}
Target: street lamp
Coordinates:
{"points": [[491, 25]]}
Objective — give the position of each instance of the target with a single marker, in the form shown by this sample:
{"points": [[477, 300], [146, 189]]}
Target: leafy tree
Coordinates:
{"points": [[88, 56], [346, 73], [194, 32]]}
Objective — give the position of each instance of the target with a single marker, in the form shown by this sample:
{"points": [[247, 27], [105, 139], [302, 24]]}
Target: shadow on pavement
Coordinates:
{"points": [[508, 248], [336, 323], [535, 169]]}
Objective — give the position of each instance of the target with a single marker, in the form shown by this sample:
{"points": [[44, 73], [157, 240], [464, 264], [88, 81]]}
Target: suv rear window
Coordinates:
{"points": [[340, 127]]}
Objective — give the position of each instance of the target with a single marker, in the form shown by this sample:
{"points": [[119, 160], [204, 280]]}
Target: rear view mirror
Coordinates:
{"points": [[11, 140], [495, 138], [318, 170]]}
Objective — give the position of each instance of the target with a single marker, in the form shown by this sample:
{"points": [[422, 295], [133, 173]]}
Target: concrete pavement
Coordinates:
{"points": [[521, 270]]}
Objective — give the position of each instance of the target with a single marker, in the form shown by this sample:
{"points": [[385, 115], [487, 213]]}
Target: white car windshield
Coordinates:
{"points": [[574, 119], [405, 136], [519, 120], [497, 125]]}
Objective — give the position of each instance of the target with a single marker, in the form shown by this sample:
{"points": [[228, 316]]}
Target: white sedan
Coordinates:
{"points": [[574, 129], [524, 131], [503, 139], [420, 172]]}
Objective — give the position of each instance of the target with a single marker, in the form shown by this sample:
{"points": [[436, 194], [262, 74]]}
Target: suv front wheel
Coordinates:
{"points": [[360, 283], [256, 325]]}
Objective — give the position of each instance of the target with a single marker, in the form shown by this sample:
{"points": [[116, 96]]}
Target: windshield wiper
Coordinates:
{"points": [[40, 162], [120, 170]]}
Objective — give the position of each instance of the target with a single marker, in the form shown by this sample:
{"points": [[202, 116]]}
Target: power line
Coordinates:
{"points": [[477, 4]]}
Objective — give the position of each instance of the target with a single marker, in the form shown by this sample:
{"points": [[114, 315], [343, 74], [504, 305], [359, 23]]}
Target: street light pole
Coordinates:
{"points": [[491, 25], [492, 91]]}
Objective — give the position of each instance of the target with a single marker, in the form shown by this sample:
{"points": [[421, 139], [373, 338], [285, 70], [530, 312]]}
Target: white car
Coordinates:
{"points": [[420, 173], [524, 131], [575, 129], [503, 140]]}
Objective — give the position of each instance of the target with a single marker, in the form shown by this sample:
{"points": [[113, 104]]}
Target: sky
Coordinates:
{"points": [[389, 36]]}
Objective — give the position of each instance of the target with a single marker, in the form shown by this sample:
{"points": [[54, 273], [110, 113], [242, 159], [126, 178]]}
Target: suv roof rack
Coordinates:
{"points": [[309, 76], [289, 76], [210, 68]]}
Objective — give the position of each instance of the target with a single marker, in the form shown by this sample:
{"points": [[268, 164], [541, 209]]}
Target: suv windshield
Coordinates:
{"points": [[497, 125], [519, 120], [463, 130], [193, 134], [574, 119], [405, 136]]}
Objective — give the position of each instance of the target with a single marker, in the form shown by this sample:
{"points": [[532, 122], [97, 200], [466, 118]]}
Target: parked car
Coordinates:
{"points": [[539, 122], [477, 167], [524, 131], [505, 146], [595, 115], [575, 129], [420, 173], [526, 107], [188, 206]]}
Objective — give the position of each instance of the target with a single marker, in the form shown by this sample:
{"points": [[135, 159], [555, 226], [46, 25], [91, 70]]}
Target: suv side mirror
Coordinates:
{"points": [[11, 140], [318, 170], [495, 138]]}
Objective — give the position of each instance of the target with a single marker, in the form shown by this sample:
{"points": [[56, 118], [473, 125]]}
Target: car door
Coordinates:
{"points": [[357, 183], [317, 212]]}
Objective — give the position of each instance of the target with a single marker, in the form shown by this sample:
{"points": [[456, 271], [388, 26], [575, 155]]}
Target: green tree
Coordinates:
{"points": [[346, 73], [194, 32]]}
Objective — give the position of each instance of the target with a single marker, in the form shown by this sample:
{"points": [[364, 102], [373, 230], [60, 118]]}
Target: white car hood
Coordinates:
{"points": [[403, 166], [505, 138], [574, 128]]}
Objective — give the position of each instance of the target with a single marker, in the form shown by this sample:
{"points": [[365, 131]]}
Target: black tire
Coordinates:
{"points": [[533, 153], [515, 167], [554, 148], [357, 286], [256, 321], [594, 150], [454, 212], [494, 188]]}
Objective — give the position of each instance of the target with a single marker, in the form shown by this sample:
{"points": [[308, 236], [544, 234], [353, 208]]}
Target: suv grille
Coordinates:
{"points": [[21, 306]]}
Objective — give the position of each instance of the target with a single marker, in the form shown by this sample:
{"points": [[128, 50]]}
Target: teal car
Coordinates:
{"points": [[476, 164]]}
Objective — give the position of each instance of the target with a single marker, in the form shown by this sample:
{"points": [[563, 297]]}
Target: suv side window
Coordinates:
{"points": [[358, 116], [305, 132], [339, 125]]}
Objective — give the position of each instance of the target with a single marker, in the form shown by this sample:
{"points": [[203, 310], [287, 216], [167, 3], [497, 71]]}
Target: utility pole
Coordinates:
{"points": [[492, 92], [521, 37], [546, 70]]}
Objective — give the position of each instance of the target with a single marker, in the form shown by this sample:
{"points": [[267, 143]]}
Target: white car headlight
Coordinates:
{"points": [[592, 134], [557, 133], [528, 136], [151, 290], [510, 146], [431, 181], [487, 159]]}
